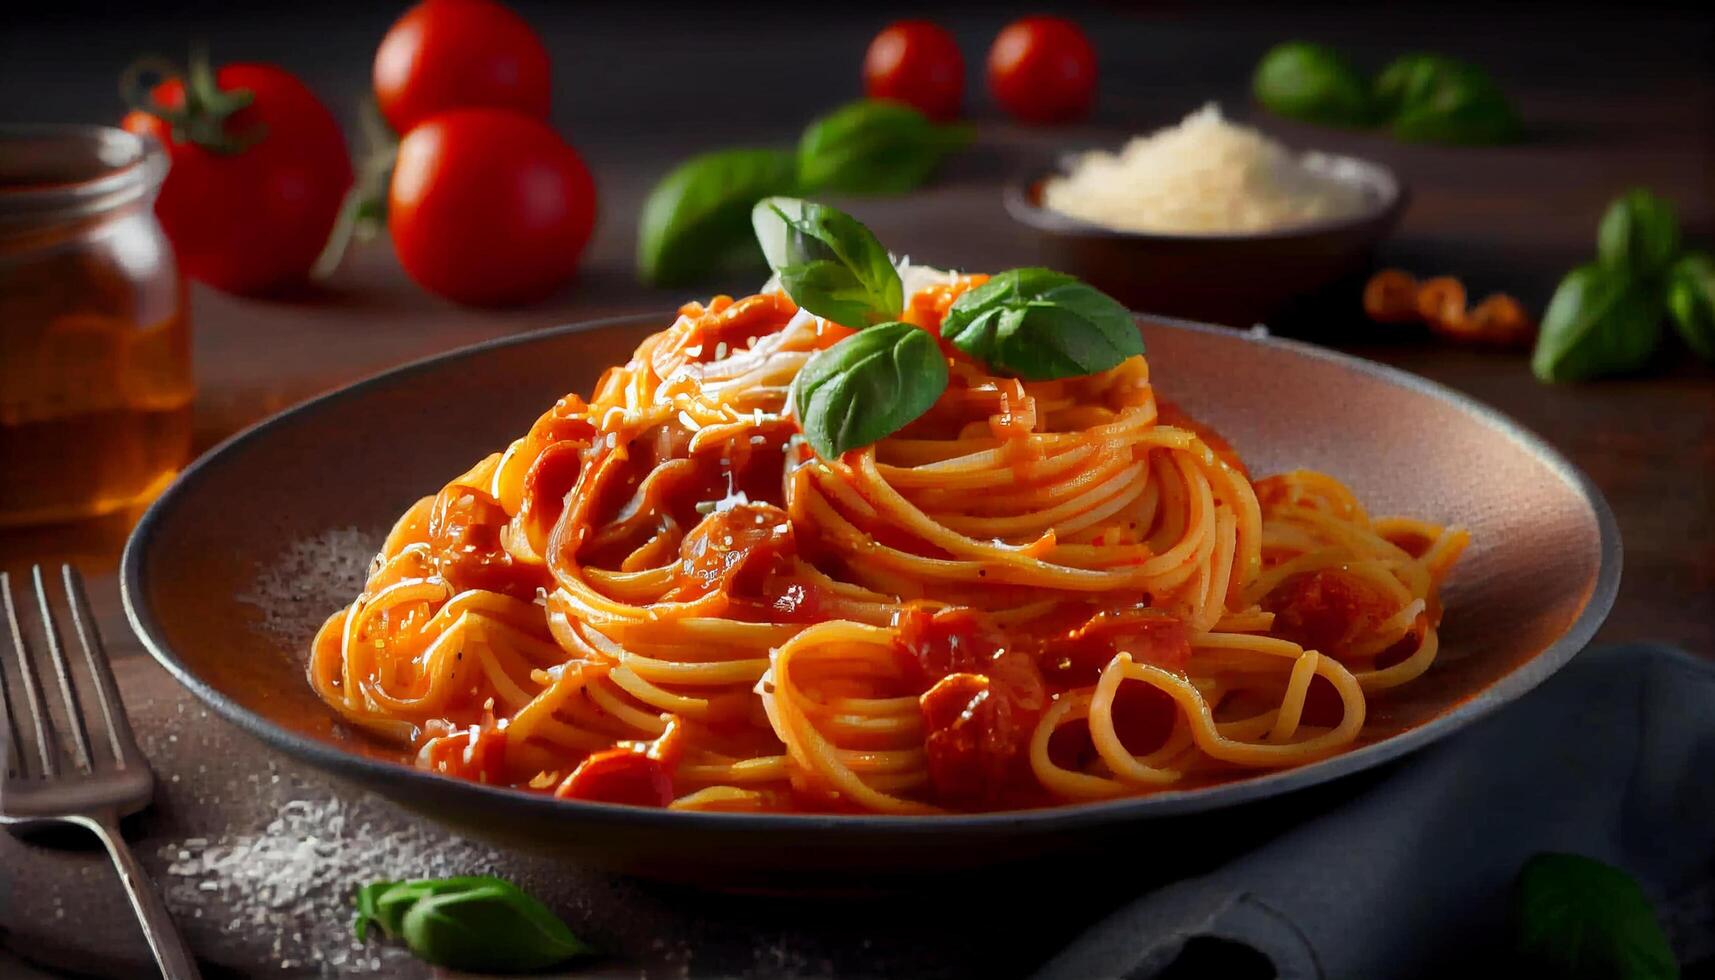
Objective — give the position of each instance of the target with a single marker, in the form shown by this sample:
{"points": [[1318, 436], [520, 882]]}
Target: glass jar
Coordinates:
{"points": [[95, 372]]}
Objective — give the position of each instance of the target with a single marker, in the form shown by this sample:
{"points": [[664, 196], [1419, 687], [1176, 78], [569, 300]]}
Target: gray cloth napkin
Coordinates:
{"points": [[1613, 758]]}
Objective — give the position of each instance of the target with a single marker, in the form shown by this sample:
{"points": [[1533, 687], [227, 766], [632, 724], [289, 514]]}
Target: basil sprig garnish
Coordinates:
{"points": [[867, 387], [1039, 325], [1580, 919], [480, 924], [828, 262], [697, 219], [1035, 324]]}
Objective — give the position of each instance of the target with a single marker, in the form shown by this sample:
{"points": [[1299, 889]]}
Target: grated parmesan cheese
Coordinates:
{"points": [[1203, 176]]}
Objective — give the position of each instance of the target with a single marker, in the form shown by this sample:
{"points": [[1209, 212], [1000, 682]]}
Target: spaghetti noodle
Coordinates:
{"points": [[1037, 593]]}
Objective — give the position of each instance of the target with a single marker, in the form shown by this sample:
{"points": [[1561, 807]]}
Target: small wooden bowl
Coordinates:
{"points": [[1240, 278]]}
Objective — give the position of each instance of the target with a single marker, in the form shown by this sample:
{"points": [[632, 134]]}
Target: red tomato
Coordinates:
{"points": [[619, 776], [489, 207], [1043, 70], [451, 54], [252, 220], [918, 63]]}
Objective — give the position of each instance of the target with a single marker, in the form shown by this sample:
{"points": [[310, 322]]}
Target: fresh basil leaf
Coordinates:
{"points": [[874, 146], [828, 262], [1312, 82], [491, 928], [1600, 321], [368, 909], [1430, 98], [1580, 919], [1691, 301], [475, 923], [386, 902], [867, 387], [1039, 325], [1638, 233], [696, 221]]}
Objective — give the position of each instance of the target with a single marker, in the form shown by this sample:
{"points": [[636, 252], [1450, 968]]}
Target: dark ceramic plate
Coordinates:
{"points": [[1238, 279], [230, 572]]}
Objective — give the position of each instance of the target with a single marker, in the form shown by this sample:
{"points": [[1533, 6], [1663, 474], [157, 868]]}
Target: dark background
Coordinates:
{"points": [[1614, 95]]}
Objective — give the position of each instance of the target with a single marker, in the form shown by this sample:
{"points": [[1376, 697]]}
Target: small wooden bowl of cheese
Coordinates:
{"points": [[1210, 220]]}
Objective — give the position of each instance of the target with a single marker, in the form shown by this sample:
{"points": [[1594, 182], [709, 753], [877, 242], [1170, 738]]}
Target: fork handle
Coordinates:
{"points": [[171, 954]]}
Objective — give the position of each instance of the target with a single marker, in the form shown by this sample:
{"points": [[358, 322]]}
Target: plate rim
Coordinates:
{"points": [[383, 775]]}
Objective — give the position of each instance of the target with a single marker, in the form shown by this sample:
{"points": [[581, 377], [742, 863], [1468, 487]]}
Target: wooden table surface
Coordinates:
{"points": [[1613, 98]]}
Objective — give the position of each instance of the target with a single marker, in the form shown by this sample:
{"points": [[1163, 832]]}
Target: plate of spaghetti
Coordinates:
{"points": [[957, 560]]}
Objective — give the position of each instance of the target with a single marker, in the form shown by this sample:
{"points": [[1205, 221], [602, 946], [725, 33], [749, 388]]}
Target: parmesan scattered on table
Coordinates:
{"points": [[1203, 176]]}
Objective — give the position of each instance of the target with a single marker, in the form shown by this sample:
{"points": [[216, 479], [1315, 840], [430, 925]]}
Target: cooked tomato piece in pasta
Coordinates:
{"points": [[619, 776]]}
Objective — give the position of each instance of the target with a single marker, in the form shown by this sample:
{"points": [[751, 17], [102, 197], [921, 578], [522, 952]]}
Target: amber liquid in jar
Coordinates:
{"points": [[95, 360]]}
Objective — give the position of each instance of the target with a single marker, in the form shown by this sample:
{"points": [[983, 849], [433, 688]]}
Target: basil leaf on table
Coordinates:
{"points": [[1039, 325], [386, 902], [828, 262], [1600, 321], [1691, 302], [1638, 233], [867, 387], [697, 219], [1311, 82], [1430, 98], [874, 146], [1579, 919], [480, 924]]}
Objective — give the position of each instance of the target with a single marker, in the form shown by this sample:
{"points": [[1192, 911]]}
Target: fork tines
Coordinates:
{"points": [[45, 702]]}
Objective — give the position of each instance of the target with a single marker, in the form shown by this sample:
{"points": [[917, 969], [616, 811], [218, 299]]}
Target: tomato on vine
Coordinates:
{"points": [[259, 169]]}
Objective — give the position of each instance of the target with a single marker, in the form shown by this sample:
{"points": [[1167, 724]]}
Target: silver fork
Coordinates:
{"points": [[102, 777]]}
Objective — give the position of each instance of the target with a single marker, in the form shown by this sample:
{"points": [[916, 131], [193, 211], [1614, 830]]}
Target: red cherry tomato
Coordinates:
{"points": [[250, 198], [450, 54], [1043, 70], [619, 776], [489, 207], [918, 63]]}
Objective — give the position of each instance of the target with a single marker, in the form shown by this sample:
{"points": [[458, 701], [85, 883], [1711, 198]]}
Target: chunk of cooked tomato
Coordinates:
{"points": [[1325, 610], [1077, 657], [476, 754], [464, 535], [619, 776], [982, 702], [733, 551]]}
